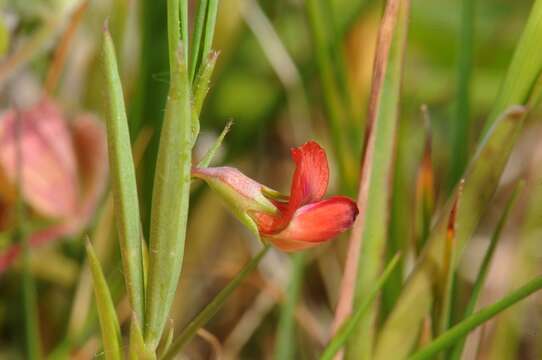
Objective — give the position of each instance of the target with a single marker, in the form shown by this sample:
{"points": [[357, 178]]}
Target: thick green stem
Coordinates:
{"points": [[171, 190]]}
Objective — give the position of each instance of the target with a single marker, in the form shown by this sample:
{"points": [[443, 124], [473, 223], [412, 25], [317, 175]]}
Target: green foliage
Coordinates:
{"points": [[171, 190], [123, 182], [107, 314]]}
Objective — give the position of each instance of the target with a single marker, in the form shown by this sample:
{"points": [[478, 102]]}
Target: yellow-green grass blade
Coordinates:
{"points": [[460, 330], [524, 70], [109, 324], [375, 187], [123, 181], [335, 104], [484, 266], [346, 330], [399, 333]]}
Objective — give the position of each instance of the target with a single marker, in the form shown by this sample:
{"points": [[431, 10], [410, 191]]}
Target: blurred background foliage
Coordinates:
{"points": [[267, 81]]}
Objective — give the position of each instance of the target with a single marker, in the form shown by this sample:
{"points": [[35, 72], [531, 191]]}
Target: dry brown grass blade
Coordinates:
{"points": [[59, 57], [380, 71]]}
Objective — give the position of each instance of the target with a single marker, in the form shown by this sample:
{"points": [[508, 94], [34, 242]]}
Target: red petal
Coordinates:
{"points": [[315, 223], [311, 175], [90, 145], [49, 169], [309, 184]]}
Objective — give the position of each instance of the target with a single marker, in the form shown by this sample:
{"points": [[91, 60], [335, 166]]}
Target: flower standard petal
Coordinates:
{"points": [[49, 171], [311, 176], [309, 184], [315, 223]]}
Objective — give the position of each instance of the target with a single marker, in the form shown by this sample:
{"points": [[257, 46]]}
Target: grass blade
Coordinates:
{"points": [[208, 157], [123, 181], [201, 88], [484, 266], [183, 23], [30, 304], [371, 226], [346, 330], [525, 68], [171, 191], [464, 327], [445, 284], [213, 307], [398, 334], [285, 344], [336, 107], [209, 30], [107, 315], [196, 37]]}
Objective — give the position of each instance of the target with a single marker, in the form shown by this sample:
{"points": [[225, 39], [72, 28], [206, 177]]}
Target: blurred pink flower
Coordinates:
{"points": [[290, 223], [63, 173]]}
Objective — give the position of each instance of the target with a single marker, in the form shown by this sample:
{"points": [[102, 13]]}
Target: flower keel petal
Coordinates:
{"points": [[315, 223]]}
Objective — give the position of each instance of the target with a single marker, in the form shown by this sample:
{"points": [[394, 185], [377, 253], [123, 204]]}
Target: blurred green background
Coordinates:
{"points": [[267, 81]]}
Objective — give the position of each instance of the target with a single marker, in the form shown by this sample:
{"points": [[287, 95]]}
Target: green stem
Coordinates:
{"points": [[285, 346], [196, 37], [460, 330], [171, 191], [32, 336], [213, 307]]}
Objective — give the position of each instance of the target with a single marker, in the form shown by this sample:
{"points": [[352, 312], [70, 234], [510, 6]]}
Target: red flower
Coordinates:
{"points": [[292, 223], [63, 170]]}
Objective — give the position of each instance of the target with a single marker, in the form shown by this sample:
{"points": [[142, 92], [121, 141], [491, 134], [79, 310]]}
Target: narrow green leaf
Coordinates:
{"points": [[375, 183], [460, 330], [196, 37], [484, 266], [29, 295], [106, 309], [201, 88], [171, 191], [183, 19], [399, 332], [524, 70], [445, 284], [209, 30], [397, 336], [123, 181], [166, 341], [213, 307], [206, 160], [285, 343], [347, 329], [335, 105]]}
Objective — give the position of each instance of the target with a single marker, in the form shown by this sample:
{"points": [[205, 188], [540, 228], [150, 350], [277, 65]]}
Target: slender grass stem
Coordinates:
{"points": [[213, 307], [31, 320]]}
